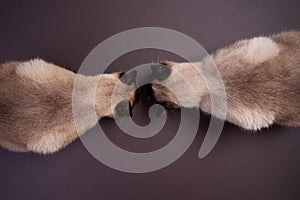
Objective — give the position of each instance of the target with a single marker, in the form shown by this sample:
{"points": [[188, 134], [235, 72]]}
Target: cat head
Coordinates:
{"points": [[176, 85], [116, 94]]}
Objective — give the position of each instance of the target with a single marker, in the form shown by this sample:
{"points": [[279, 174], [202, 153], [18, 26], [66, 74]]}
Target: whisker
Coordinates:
{"points": [[158, 59]]}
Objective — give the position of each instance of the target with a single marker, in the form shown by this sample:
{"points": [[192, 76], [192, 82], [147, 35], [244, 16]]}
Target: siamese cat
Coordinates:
{"points": [[261, 78], [36, 104]]}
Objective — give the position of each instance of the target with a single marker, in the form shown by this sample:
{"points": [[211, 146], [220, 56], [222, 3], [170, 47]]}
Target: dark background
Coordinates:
{"points": [[243, 165]]}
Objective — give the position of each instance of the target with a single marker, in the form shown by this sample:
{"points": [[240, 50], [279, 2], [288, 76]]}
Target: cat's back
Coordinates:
{"points": [[290, 39], [33, 94], [9, 85], [264, 73], [261, 62], [287, 63]]}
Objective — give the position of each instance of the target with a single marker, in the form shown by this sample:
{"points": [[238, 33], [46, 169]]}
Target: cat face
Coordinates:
{"points": [[116, 94], [126, 103], [176, 84]]}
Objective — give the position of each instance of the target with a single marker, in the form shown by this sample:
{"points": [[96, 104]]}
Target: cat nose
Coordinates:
{"points": [[123, 109]]}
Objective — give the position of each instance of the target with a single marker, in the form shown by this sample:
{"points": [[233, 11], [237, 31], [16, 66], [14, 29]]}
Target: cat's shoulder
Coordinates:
{"points": [[248, 51], [30, 69], [36, 69]]}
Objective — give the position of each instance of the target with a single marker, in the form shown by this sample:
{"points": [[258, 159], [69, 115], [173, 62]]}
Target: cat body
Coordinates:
{"points": [[261, 78], [36, 104]]}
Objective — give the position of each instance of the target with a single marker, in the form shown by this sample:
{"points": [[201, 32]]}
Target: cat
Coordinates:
{"points": [[261, 79], [36, 104]]}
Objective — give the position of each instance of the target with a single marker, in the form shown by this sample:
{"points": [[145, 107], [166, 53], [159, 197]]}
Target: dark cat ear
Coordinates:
{"points": [[161, 71], [123, 109], [128, 78]]}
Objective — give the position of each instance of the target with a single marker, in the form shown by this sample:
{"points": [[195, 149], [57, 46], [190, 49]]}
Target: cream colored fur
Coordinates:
{"points": [[36, 104], [261, 78]]}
